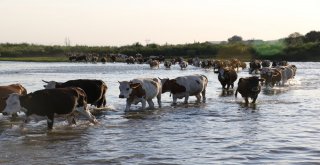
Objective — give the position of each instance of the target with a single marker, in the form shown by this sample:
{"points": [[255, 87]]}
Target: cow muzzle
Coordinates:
{"points": [[5, 113]]}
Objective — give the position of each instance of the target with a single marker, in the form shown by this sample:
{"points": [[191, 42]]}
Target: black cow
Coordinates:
{"points": [[255, 65], [48, 102], [95, 89], [249, 87], [227, 76]]}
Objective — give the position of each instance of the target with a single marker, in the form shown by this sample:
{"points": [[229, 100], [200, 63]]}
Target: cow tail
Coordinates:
{"points": [[235, 95]]}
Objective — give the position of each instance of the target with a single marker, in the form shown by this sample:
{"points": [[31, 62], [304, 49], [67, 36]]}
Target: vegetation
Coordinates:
{"points": [[296, 47]]}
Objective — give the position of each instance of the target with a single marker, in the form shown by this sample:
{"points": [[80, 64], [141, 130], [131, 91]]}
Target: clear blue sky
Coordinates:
{"points": [[121, 22]]}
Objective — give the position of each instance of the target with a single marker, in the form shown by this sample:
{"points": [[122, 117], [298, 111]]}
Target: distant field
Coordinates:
{"points": [[35, 59]]}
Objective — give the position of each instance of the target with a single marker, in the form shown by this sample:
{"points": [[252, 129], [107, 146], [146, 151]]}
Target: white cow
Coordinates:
{"points": [[185, 86], [141, 90]]}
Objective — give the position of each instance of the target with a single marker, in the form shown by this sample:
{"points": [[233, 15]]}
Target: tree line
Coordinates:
{"points": [[295, 47]]}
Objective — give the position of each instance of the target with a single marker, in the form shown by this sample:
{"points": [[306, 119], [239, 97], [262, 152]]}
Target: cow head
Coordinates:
{"points": [[50, 84], [12, 104], [126, 88], [254, 83]]}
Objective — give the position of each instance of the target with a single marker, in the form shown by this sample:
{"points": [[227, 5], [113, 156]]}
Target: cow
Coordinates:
{"points": [[95, 89], [249, 87], [217, 64], [141, 90], [154, 64], [8, 89], [183, 65], [227, 76], [265, 63], [287, 72], [255, 65], [185, 86], [272, 76], [48, 102], [235, 63], [130, 60], [167, 64]]}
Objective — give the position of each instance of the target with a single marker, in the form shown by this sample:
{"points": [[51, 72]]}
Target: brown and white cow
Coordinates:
{"points": [[141, 90], [185, 86], [227, 76], [154, 64], [95, 89], [272, 76], [287, 72], [48, 102], [8, 89], [249, 87]]}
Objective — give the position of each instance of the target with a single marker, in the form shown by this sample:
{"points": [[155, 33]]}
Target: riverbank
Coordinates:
{"points": [[35, 59]]}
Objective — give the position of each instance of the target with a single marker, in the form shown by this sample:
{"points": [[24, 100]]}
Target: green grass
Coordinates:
{"points": [[35, 59]]}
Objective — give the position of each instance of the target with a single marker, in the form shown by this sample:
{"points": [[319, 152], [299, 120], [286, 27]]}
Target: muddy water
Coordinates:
{"points": [[283, 127]]}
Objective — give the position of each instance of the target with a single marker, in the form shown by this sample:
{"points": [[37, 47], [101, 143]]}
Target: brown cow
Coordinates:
{"points": [[249, 87], [8, 89]]}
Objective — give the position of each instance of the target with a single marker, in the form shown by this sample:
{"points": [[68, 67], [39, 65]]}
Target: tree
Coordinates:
{"points": [[235, 39], [312, 36], [294, 39]]}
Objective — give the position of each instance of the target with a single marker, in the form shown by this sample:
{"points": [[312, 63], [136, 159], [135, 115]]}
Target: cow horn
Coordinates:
{"points": [[45, 81]]}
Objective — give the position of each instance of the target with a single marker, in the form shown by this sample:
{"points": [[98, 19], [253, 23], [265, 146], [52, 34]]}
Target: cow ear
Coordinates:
{"points": [[135, 85]]}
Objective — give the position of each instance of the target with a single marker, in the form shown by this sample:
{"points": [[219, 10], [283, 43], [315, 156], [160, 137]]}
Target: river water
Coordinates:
{"points": [[283, 127]]}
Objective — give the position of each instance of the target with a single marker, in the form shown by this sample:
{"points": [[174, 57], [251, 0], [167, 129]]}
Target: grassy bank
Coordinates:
{"points": [[35, 59]]}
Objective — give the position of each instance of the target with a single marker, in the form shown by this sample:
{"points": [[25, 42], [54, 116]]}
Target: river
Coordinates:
{"points": [[283, 127]]}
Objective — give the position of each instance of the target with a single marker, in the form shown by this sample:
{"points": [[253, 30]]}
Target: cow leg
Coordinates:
{"points": [[204, 98], [101, 102], [50, 121], [85, 112], [151, 104], [174, 102], [254, 99], [232, 85], [71, 119], [144, 102], [159, 100], [25, 122], [186, 98], [198, 96], [228, 86], [246, 100], [128, 105]]}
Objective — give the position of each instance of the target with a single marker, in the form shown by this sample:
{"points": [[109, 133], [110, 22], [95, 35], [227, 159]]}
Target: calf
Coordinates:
{"points": [[95, 89], [141, 90], [227, 76], [8, 89], [249, 87], [48, 102], [185, 86]]}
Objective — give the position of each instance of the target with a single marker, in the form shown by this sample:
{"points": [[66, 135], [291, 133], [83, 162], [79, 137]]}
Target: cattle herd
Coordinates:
{"points": [[72, 97]]}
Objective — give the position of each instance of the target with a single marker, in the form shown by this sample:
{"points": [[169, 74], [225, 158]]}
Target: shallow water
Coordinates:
{"points": [[283, 127]]}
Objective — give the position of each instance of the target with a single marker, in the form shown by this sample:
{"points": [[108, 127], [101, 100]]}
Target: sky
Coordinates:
{"points": [[124, 22]]}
